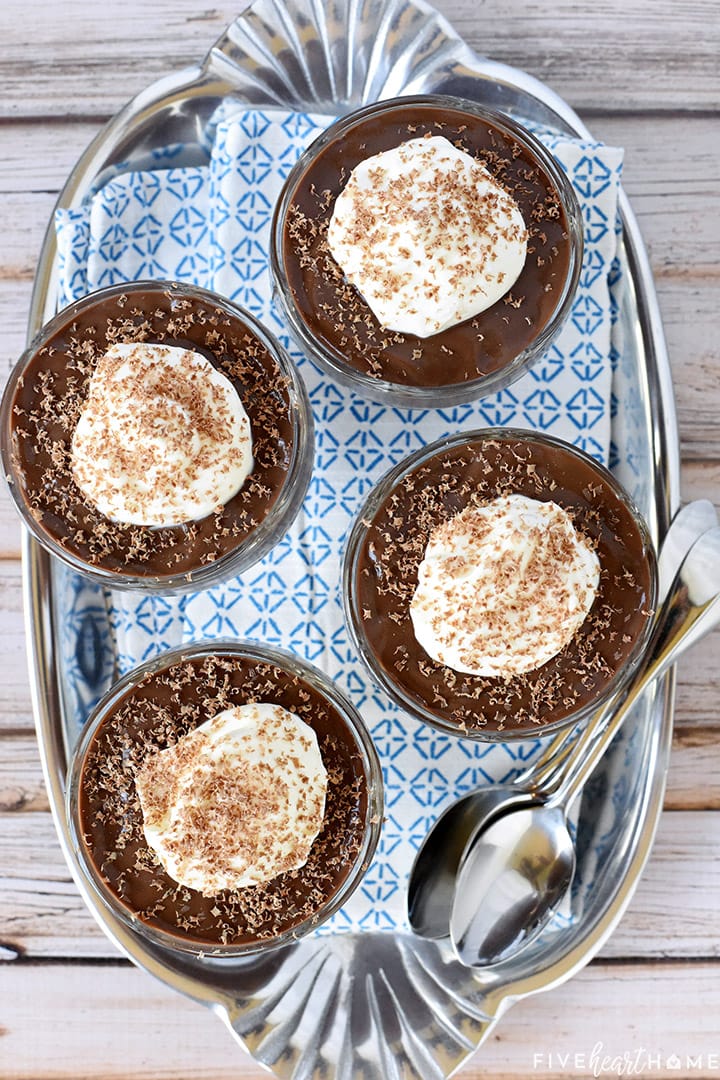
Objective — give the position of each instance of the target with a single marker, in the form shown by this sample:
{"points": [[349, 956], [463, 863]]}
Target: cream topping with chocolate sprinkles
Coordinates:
{"points": [[337, 315], [237, 801], [472, 475], [156, 714], [427, 236], [503, 587], [50, 399], [162, 437]]}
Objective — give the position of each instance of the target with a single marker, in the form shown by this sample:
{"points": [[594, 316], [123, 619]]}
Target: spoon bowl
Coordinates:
{"points": [[521, 862], [431, 887]]}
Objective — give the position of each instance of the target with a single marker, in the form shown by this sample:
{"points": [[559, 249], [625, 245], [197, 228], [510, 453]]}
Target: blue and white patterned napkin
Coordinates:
{"points": [[210, 225]]}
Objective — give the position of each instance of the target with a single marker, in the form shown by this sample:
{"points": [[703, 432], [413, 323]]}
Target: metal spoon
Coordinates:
{"points": [[516, 872], [431, 885]]}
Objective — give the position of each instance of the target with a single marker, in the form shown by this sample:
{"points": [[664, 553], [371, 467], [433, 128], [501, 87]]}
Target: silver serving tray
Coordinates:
{"points": [[379, 1006]]}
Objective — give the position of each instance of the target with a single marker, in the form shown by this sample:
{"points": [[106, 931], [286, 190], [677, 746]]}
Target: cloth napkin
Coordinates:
{"points": [[210, 225]]}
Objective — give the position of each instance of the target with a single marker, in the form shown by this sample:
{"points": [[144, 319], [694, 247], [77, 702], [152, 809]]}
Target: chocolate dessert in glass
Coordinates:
{"points": [[426, 250], [156, 436], [499, 584], [225, 798]]}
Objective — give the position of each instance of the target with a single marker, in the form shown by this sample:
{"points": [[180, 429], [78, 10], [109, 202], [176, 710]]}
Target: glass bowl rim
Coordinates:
{"points": [[321, 683], [283, 509], [354, 623], [448, 394]]}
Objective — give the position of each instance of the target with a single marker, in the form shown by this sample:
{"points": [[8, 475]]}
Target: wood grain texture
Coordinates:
{"points": [[22, 790], [16, 712], [673, 914], [617, 55], [696, 753], [698, 687], [110, 1022]]}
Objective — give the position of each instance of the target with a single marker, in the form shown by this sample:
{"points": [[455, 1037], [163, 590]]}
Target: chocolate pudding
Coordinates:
{"points": [[45, 400], [388, 544], [154, 713], [331, 316]]}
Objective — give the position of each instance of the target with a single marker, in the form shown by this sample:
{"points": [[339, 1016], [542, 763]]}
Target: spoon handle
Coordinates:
{"points": [[540, 775], [691, 609]]}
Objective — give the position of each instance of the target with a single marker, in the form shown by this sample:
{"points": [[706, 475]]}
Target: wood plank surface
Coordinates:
{"points": [[107, 1022], [698, 689], [669, 173], [673, 914], [645, 74], [16, 713], [673, 195]]}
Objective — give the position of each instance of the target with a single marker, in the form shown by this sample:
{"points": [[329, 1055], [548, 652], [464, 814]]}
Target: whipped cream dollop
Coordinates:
{"points": [[162, 438], [503, 587], [237, 801], [427, 236]]}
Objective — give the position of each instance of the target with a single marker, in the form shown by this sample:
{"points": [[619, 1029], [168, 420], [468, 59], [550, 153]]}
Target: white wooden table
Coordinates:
{"points": [[644, 74]]}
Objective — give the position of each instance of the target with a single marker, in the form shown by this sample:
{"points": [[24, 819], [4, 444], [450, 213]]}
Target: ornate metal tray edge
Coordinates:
{"points": [[367, 1027]]}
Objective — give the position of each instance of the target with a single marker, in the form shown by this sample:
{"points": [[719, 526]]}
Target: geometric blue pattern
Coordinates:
{"points": [[209, 225]]}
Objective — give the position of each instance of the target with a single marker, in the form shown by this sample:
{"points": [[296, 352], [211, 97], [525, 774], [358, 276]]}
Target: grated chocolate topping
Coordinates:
{"points": [[338, 316], [48, 403], [154, 715], [503, 586], [475, 474]]}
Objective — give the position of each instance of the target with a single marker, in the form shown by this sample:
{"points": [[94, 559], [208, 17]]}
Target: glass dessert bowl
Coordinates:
{"points": [[383, 258], [523, 568], [156, 436], [218, 880]]}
